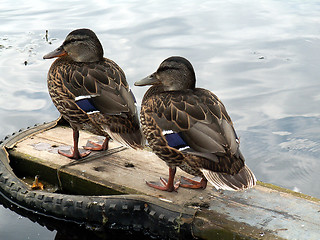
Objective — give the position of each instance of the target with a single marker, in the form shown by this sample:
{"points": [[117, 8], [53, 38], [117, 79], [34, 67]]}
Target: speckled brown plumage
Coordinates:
{"points": [[180, 111], [201, 121], [112, 110]]}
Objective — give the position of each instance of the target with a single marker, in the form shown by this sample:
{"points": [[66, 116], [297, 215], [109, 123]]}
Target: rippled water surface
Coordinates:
{"points": [[260, 57]]}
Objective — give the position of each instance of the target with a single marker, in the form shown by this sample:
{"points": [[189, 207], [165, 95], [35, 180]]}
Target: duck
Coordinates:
{"points": [[189, 128], [91, 93]]}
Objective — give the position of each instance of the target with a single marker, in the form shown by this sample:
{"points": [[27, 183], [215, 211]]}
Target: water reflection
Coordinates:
{"points": [[287, 149], [260, 57], [17, 227]]}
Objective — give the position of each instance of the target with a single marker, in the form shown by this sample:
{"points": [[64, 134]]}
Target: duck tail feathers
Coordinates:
{"points": [[133, 140], [244, 179]]}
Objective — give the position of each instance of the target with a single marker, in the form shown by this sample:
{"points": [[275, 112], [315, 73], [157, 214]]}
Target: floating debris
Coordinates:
{"points": [[36, 185], [46, 36]]}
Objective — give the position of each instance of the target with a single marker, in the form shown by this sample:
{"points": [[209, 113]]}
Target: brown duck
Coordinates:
{"points": [[189, 127], [91, 93]]}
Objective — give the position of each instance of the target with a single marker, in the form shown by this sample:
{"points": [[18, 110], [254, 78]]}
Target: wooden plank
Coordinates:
{"points": [[266, 212], [111, 168]]}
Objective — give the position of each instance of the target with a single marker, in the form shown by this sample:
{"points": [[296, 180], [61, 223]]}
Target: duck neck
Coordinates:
{"points": [[152, 91]]}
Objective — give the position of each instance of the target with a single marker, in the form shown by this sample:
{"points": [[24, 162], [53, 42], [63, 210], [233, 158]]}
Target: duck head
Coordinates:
{"points": [[81, 45], [173, 74]]}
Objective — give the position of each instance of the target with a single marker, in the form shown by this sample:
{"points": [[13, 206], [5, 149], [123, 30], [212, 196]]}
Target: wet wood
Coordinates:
{"points": [[264, 212]]}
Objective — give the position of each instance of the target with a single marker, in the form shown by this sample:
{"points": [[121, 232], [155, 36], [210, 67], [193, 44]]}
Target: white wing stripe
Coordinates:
{"points": [[84, 97]]}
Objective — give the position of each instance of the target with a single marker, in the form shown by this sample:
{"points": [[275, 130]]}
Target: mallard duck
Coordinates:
{"points": [[91, 93], [189, 127]]}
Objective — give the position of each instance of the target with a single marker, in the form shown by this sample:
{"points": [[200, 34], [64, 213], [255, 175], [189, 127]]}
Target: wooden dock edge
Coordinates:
{"points": [[288, 191]]}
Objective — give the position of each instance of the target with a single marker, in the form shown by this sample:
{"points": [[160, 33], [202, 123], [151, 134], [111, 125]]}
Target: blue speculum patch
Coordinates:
{"points": [[86, 105], [175, 140]]}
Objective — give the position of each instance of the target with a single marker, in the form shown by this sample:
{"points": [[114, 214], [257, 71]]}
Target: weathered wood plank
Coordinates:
{"points": [[261, 212]]}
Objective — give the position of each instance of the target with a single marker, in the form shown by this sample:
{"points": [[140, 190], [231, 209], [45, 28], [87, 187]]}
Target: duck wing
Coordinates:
{"points": [[104, 84], [102, 88], [196, 122]]}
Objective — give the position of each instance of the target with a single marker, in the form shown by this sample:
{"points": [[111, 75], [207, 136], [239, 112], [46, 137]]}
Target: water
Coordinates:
{"points": [[260, 57]]}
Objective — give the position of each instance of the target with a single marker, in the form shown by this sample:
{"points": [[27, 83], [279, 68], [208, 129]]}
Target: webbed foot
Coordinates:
{"points": [[164, 185], [74, 154], [192, 183], [93, 146]]}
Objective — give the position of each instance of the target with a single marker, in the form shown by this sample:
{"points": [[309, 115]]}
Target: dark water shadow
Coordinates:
{"points": [[68, 230]]}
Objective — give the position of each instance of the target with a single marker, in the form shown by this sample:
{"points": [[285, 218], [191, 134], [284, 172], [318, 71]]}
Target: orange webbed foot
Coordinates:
{"points": [[192, 183], [93, 146], [164, 185], [74, 154]]}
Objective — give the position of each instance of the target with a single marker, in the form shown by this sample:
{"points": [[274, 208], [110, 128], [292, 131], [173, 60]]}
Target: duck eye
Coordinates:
{"points": [[166, 68], [69, 41], [72, 40], [162, 69]]}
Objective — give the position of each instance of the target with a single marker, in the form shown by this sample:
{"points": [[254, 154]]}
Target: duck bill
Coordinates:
{"points": [[59, 52], [150, 80]]}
